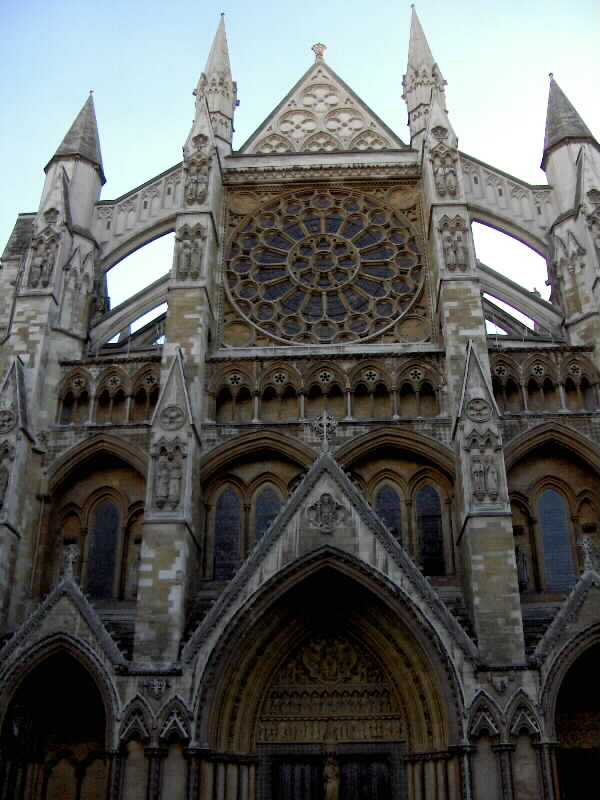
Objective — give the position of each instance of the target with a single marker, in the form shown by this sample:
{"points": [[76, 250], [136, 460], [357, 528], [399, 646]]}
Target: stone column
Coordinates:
{"points": [[155, 756]]}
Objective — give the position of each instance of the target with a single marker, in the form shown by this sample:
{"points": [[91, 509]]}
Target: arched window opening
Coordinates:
{"points": [[589, 395], [139, 409], [381, 402], [269, 404], [408, 401], [227, 529], [387, 506], [155, 391], [224, 406], [525, 552], [267, 506], [572, 397], [512, 394], [559, 568], [243, 405], [361, 406], [335, 401], [427, 400], [103, 550], [119, 404], [289, 404], [103, 407], [535, 401], [498, 390], [429, 520], [66, 412], [551, 399], [315, 402], [82, 408]]}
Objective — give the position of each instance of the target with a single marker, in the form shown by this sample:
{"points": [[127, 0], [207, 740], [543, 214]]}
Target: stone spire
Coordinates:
{"points": [[218, 87], [563, 122], [82, 139], [422, 77]]}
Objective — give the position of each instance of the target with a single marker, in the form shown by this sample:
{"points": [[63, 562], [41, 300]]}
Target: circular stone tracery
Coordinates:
{"points": [[324, 266]]}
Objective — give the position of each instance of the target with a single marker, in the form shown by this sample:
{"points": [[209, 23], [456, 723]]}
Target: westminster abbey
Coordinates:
{"points": [[315, 534]]}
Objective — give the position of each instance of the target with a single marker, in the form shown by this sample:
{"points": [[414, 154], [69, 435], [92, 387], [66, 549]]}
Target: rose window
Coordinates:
{"points": [[324, 266]]}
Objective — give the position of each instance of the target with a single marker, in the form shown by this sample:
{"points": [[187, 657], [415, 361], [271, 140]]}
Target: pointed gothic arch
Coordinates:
{"points": [[226, 711]]}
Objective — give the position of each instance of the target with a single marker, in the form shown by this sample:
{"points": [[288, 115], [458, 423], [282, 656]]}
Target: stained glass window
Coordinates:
{"points": [[302, 268], [558, 555], [429, 518], [227, 535], [103, 548], [268, 504], [387, 506]]}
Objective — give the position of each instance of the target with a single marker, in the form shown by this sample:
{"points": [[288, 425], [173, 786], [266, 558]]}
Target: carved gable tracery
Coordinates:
{"points": [[321, 115]]}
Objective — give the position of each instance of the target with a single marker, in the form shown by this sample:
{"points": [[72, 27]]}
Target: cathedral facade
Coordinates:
{"points": [[315, 534]]}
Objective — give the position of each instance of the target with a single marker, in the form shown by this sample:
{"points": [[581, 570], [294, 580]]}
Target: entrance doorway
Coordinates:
{"points": [[578, 727], [353, 771]]}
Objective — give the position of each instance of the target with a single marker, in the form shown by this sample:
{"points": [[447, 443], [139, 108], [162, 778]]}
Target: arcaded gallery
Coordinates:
{"points": [[314, 533]]}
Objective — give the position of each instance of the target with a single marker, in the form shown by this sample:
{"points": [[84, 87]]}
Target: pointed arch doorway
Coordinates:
{"points": [[330, 690]]}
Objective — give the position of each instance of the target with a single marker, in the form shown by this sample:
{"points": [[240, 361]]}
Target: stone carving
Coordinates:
{"points": [[319, 50], [189, 251], [196, 167], [589, 552], [70, 559], [161, 482], [155, 687], [331, 779], [172, 418], [329, 691], [326, 514], [454, 242], [44, 253], [8, 420], [324, 426], [168, 478], [478, 410], [443, 162], [477, 478]]}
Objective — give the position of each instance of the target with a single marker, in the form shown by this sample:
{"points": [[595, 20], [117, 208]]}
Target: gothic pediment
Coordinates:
{"points": [[580, 611], [321, 114], [65, 611], [327, 513]]}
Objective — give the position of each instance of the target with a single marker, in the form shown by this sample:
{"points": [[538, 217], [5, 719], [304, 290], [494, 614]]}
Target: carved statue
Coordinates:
{"points": [[196, 260], [491, 480], [4, 476], [331, 779], [449, 253], [161, 484], [174, 483], [184, 258], [477, 478]]}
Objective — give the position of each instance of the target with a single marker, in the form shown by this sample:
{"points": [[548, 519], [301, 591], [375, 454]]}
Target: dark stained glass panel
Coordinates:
{"points": [[227, 535], [103, 547]]}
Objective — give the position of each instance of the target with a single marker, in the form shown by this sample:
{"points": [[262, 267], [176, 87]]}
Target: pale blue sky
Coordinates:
{"points": [[143, 58]]}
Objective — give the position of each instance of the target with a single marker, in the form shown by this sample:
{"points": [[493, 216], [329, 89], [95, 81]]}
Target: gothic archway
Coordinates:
{"points": [[330, 668], [578, 726], [53, 737]]}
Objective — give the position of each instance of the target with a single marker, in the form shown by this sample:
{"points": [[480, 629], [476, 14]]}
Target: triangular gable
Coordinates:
{"points": [[173, 409], [321, 114], [580, 610], [63, 611], [326, 512], [476, 385]]}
